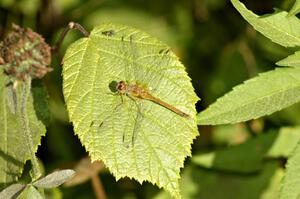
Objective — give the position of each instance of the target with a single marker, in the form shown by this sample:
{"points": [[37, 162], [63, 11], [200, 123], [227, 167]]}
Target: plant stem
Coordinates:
{"points": [[71, 25], [98, 188], [26, 129]]}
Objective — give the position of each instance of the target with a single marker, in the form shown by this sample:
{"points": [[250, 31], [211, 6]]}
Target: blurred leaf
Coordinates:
{"points": [[292, 60], [30, 193], [64, 5], [269, 92], [40, 102], [295, 9], [14, 150], [54, 179], [277, 26], [285, 143], [231, 61], [291, 182], [146, 143], [230, 134], [11, 191], [7, 3], [202, 183], [55, 193], [28, 7], [289, 116], [233, 158], [84, 171]]}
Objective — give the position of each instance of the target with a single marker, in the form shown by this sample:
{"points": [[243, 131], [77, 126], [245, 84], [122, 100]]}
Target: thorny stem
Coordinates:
{"points": [[71, 25], [25, 125]]}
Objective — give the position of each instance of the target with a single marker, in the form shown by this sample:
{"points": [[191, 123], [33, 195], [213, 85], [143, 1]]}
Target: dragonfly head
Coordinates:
{"points": [[121, 86]]}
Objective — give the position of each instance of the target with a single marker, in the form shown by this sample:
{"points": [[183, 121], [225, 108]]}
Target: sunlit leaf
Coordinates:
{"points": [[30, 192], [14, 150], [11, 191], [277, 26], [296, 8], [133, 137], [269, 92], [292, 60], [54, 179], [291, 182]]}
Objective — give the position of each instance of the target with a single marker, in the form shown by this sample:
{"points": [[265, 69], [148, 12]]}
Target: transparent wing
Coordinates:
{"points": [[148, 67]]}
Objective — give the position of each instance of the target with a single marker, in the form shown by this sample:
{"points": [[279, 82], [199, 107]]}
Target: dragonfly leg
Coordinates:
{"points": [[138, 113]]}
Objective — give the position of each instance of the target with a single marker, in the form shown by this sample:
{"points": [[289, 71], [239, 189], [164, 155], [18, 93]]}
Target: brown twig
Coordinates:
{"points": [[98, 188], [71, 25]]}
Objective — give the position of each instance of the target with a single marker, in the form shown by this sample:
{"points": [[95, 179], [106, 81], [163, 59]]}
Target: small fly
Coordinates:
{"points": [[108, 33]]}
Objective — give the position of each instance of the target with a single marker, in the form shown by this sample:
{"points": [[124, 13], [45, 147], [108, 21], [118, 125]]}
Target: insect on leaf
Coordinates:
{"points": [[134, 137]]}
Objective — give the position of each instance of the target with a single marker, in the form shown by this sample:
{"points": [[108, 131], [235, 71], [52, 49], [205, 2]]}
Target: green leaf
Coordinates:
{"points": [[14, 151], [200, 183], [278, 27], [30, 193], [54, 179], [269, 92], [40, 102], [292, 60], [11, 191], [285, 142], [233, 158], [133, 137], [291, 182], [295, 9]]}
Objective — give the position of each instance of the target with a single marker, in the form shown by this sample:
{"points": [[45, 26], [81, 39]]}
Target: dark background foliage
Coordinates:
{"points": [[217, 46]]}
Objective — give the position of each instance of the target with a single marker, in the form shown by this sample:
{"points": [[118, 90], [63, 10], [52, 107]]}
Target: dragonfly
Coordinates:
{"points": [[133, 90], [131, 87]]}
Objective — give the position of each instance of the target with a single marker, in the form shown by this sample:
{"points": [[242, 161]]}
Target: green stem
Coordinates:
{"points": [[26, 129]]}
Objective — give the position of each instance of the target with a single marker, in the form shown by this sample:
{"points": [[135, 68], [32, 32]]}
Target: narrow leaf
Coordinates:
{"points": [[292, 60], [278, 27], [14, 150], [54, 179], [133, 137], [269, 92], [291, 182], [295, 9], [30, 193], [11, 191]]}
